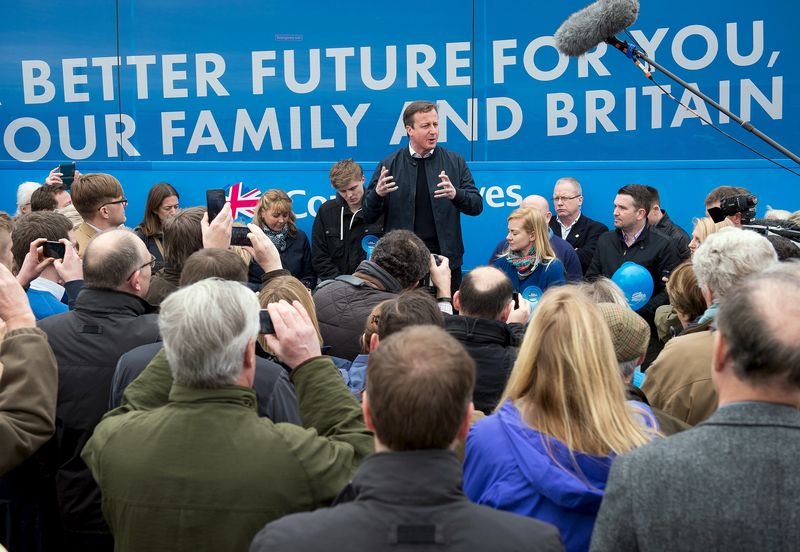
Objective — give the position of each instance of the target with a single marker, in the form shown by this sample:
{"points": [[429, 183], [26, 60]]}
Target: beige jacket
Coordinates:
{"points": [[83, 234], [28, 390], [679, 380]]}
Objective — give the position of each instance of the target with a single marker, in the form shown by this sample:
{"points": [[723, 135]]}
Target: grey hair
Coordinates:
{"points": [[206, 328], [627, 368], [572, 181], [108, 267], [729, 255], [604, 290]]}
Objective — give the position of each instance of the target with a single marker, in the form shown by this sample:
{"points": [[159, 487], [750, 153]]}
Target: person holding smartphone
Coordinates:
{"points": [[50, 232], [63, 197]]}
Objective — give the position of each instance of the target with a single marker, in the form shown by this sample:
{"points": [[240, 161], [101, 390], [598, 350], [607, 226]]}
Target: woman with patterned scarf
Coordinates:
{"points": [[530, 261], [275, 217]]}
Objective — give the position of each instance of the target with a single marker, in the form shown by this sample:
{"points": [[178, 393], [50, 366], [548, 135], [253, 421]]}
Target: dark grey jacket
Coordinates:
{"points": [[730, 483], [398, 206], [407, 501], [344, 304]]}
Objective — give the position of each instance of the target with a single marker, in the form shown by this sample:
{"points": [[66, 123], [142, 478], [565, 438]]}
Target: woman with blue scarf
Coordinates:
{"points": [[530, 262], [275, 217]]}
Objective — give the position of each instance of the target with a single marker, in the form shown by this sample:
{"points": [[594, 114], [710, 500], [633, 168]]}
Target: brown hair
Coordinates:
{"points": [[276, 200], [419, 387], [151, 224], [344, 172], [40, 224], [640, 194], [371, 326], [183, 236], [6, 222], [288, 288], [91, 191], [721, 192], [684, 293], [413, 108], [43, 198], [411, 308], [213, 263]]}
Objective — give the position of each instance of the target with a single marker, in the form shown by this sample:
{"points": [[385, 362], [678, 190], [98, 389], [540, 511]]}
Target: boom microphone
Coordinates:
{"points": [[595, 23]]}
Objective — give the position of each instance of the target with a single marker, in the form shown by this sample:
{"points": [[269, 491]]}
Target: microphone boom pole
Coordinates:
{"points": [[636, 54]]}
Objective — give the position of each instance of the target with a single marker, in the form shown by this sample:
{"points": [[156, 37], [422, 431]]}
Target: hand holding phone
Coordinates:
{"points": [[54, 249], [67, 171], [215, 201], [239, 236], [265, 322]]}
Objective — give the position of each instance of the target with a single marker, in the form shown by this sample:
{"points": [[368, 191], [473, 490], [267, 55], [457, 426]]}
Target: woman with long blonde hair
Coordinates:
{"points": [[546, 451], [275, 217], [530, 262]]}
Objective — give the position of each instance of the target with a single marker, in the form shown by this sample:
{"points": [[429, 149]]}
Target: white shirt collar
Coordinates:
{"points": [[418, 156], [565, 230], [53, 288]]}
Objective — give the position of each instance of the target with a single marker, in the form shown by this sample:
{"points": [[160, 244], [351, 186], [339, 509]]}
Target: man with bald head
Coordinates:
{"points": [[564, 251], [571, 224], [490, 327], [110, 318]]}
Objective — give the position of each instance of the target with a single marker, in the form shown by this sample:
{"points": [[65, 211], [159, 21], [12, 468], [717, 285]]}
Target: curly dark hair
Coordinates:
{"points": [[403, 255]]}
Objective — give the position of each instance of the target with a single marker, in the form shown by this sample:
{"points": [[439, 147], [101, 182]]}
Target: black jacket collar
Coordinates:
{"points": [[423, 477], [478, 330], [112, 302]]}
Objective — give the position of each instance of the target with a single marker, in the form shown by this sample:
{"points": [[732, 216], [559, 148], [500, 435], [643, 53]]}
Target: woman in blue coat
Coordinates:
{"points": [[530, 261], [547, 450], [275, 217]]}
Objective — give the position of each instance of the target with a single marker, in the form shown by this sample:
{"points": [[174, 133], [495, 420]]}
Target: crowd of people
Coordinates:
{"points": [[162, 389]]}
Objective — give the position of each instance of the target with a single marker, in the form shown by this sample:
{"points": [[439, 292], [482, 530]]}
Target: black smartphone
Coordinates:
{"points": [[515, 297], [239, 236], [265, 322], [215, 201], [67, 171], [54, 249]]}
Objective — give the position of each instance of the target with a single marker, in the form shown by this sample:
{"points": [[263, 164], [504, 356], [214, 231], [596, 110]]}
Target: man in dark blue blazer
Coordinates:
{"points": [[571, 224]]}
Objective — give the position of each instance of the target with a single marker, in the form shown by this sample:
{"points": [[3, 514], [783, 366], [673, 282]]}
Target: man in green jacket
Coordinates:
{"points": [[193, 467]]}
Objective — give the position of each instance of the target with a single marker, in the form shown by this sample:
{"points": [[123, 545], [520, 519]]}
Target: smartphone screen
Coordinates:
{"points": [[215, 201], [265, 322], [54, 249], [67, 171], [239, 236]]}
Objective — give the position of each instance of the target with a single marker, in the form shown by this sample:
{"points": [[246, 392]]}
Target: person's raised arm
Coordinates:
{"points": [[337, 439], [28, 378]]}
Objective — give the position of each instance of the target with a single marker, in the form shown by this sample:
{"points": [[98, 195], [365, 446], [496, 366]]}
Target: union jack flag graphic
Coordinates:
{"points": [[243, 204]]}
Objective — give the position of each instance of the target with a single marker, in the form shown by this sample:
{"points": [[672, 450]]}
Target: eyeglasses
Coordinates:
{"points": [[151, 263], [564, 199], [123, 202]]}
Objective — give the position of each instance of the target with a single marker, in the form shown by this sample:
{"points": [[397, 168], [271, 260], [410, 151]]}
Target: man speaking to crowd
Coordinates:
{"points": [[425, 188]]}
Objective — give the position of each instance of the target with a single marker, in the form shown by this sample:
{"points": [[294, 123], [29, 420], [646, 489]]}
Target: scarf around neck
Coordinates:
{"points": [[278, 238], [524, 264]]}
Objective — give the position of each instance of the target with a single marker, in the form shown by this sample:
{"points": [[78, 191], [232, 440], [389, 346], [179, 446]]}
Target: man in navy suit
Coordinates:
{"points": [[571, 224]]}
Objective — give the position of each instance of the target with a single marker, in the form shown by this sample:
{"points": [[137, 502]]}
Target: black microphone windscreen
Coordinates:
{"points": [[587, 28]]}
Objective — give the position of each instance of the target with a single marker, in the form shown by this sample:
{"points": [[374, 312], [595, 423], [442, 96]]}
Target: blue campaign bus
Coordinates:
{"points": [[270, 94]]}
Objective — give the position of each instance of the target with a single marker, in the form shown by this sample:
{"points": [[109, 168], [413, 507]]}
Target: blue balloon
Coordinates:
{"points": [[635, 282]]}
